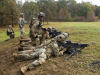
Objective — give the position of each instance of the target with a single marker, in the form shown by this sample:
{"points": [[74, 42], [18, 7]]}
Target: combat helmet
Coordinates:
{"points": [[49, 29], [21, 14], [61, 38], [65, 34], [10, 26], [41, 14], [54, 27]]}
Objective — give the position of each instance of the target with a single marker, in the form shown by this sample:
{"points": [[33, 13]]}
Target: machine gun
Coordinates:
{"points": [[76, 47]]}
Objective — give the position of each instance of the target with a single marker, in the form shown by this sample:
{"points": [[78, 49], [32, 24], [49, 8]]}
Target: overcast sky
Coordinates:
{"points": [[94, 2]]}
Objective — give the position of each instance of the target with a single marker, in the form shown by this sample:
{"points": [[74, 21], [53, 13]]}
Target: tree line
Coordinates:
{"points": [[61, 10]]}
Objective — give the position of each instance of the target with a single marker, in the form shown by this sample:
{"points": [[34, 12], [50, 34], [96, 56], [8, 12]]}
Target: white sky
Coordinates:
{"points": [[94, 2]]}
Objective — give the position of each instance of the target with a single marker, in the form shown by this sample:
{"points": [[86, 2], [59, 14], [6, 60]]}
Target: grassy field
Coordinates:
{"points": [[3, 30], [81, 32]]}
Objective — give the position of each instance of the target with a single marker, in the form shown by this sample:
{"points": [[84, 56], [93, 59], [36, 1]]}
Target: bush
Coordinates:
{"points": [[81, 18]]}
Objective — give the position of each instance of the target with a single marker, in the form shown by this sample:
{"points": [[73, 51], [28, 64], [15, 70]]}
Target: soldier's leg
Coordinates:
{"points": [[22, 32], [43, 37], [37, 41], [10, 36], [41, 60], [23, 56], [26, 52], [26, 48], [27, 56], [13, 35]]}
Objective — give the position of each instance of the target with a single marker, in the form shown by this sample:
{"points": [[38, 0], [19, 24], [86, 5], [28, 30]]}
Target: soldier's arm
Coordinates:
{"points": [[56, 50], [47, 35], [24, 21]]}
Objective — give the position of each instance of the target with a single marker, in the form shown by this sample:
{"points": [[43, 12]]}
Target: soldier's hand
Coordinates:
{"points": [[64, 49]]}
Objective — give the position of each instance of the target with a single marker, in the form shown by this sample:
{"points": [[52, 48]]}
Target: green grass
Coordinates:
{"points": [[82, 32], [3, 30]]}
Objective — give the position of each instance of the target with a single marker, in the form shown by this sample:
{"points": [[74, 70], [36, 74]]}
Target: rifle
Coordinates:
{"points": [[55, 33], [73, 46]]}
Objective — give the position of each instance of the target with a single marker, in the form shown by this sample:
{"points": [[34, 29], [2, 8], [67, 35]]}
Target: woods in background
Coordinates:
{"points": [[61, 10]]}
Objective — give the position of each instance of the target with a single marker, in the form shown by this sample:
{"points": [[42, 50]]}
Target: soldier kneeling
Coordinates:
{"points": [[10, 32]]}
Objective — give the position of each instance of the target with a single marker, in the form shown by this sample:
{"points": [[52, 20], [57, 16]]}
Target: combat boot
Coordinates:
{"points": [[20, 48], [22, 38], [24, 69], [15, 55]]}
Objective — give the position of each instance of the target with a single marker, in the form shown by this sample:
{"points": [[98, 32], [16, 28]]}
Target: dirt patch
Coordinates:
{"points": [[53, 66]]}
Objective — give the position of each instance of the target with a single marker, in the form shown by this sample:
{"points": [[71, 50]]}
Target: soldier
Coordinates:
{"points": [[49, 29], [22, 23], [45, 50], [10, 32], [65, 34], [25, 44], [35, 29], [45, 34], [53, 28]]}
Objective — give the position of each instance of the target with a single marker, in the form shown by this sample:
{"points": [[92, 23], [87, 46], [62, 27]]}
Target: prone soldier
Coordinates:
{"points": [[43, 52]]}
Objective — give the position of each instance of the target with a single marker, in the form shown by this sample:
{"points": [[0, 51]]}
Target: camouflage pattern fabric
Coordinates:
{"points": [[10, 32], [21, 23], [39, 53], [44, 36], [47, 49], [22, 30], [34, 31], [36, 41], [26, 52]]}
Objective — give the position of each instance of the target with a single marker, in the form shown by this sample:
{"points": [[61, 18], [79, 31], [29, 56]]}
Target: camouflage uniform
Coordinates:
{"points": [[10, 32], [45, 34], [35, 30], [22, 23], [47, 49], [49, 29], [53, 28], [42, 53]]}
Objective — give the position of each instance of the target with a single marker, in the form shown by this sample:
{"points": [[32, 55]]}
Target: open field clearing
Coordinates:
{"points": [[79, 64]]}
